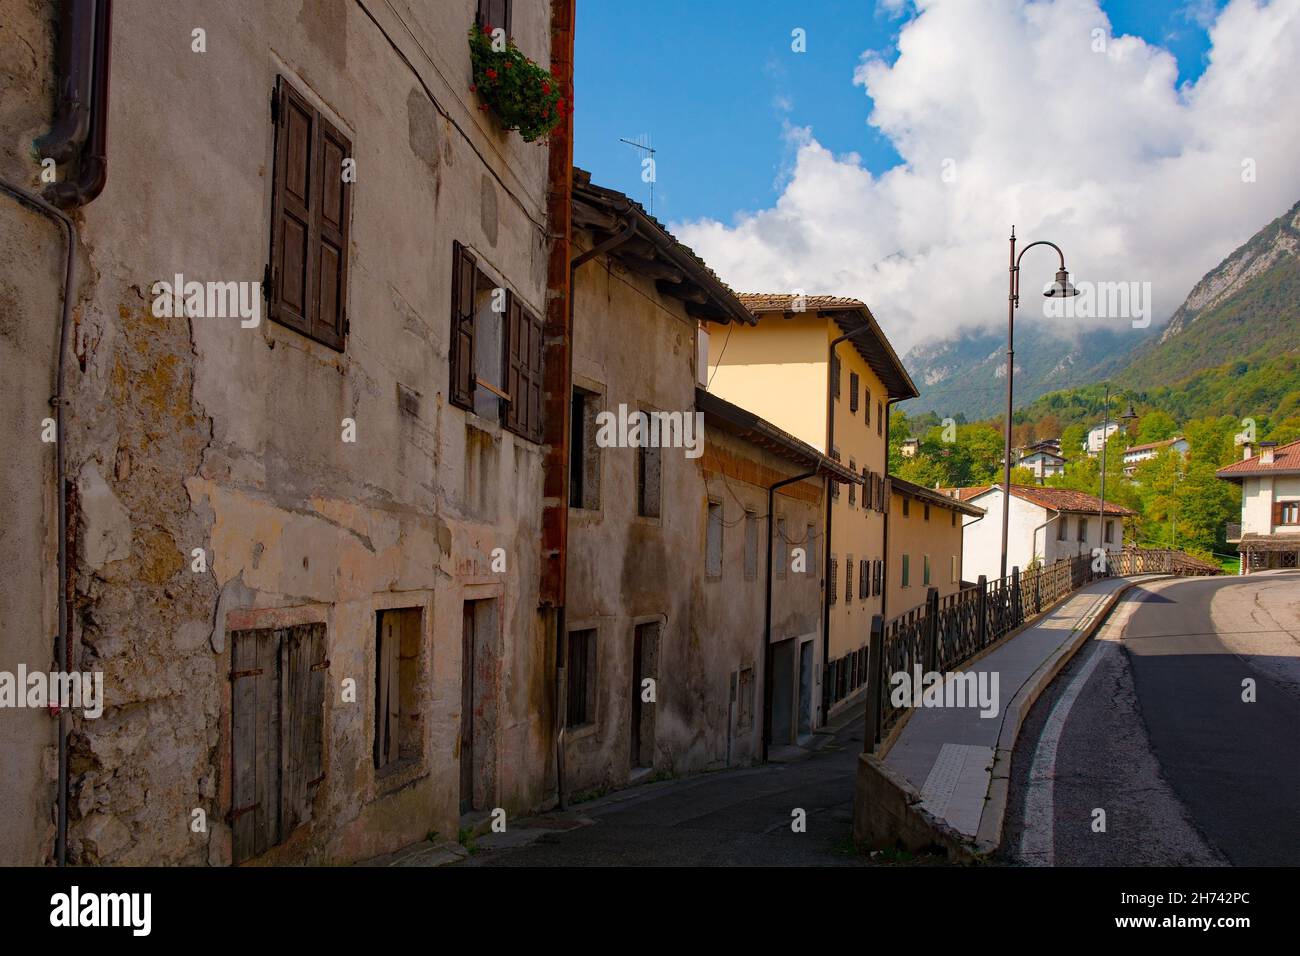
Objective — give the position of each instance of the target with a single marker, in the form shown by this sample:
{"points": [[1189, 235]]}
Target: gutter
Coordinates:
{"points": [[64, 647], [75, 62]]}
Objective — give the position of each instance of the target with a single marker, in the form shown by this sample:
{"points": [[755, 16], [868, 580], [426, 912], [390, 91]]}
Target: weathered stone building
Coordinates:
{"points": [[306, 546]]}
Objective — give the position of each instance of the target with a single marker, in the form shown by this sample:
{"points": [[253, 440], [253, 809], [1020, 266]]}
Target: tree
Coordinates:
{"points": [[1072, 440], [1156, 426]]}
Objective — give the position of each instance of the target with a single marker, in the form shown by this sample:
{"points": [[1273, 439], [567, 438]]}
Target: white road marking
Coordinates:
{"points": [[1037, 840]]}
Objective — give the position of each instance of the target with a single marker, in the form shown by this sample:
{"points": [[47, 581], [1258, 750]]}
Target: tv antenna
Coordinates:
{"points": [[642, 142]]}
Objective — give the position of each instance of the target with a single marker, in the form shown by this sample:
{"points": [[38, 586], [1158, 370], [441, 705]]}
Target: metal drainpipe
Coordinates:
{"points": [[884, 559], [767, 609], [93, 171], [75, 63], [562, 637], [830, 507], [65, 638]]}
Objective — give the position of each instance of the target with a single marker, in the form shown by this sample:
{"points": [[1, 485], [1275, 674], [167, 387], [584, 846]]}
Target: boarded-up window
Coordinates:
{"points": [[277, 726], [584, 452], [310, 214], [713, 541], [751, 546], [853, 392], [494, 13], [581, 677], [398, 734], [649, 463], [832, 580]]}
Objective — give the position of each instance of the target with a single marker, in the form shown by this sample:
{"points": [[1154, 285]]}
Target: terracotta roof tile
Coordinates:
{"points": [[1285, 458], [1053, 499]]}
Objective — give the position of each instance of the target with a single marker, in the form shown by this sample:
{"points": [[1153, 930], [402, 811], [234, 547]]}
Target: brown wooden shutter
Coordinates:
{"points": [[461, 353], [1277, 512], [535, 373], [388, 640], [303, 669], [853, 391], [310, 216], [517, 351], [292, 193], [255, 742], [330, 248]]}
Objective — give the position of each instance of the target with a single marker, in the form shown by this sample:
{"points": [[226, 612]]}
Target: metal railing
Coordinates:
{"points": [[945, 632]]}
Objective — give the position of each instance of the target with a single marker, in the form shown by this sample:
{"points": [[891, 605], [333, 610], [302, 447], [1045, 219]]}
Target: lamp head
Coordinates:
{"points": [[1061, 288], [1130, 414]]}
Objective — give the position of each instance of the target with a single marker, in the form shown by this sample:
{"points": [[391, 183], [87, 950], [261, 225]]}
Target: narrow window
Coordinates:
{"points": [[648, 465], [832, 580], [853, 393], [277, 725], [925, 571], [906, 508], [713, 541], [1110, 531], [1083, 529], [953, 518], [493, 13], [311, 207], [782, 548], [866, 402], [853, 488], [581, 677], [952, 560], [584, 453], [927, 512], [864, 580], [848, 579], [751, 546], [1062, 528], [398, 735], [880, 418], [907, 570]]}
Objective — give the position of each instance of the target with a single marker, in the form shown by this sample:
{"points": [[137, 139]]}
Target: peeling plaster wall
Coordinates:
{"points": [[624, 569], [195, 433]]}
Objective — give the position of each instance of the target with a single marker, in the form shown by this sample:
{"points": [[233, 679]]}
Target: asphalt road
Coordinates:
{"points": [[728, 818], [1148, 726]]}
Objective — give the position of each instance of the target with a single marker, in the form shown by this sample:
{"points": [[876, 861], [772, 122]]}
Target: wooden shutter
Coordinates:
{"points": [[310, 216], [255, 742], [853, 391], [534, 384], [517, 350], [464, 268], [330, 247], [1277, 512], [833, 579], [303, 669], [866, 402], [387, 715], [835, 375]]}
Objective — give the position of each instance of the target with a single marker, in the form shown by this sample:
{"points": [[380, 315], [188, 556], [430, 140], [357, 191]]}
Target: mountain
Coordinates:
{"points": [[1233, 347], [967, 374]]}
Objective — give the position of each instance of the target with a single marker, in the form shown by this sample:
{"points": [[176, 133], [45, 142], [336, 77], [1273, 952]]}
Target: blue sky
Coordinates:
{"points": [[712, 86]]}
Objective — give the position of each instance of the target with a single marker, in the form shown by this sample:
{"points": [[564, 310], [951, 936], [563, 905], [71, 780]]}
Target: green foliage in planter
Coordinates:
{"points": [[523, 95]]}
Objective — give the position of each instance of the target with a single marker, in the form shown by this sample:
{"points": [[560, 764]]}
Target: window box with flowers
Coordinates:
{"points": [[523, 96]]}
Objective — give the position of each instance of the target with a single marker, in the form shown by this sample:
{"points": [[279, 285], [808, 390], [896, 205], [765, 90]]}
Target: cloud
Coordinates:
{"points": [[1136, 178]]}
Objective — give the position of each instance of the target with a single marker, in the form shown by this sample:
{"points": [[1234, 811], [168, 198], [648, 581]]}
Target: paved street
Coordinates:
{"points": [[737, 817], [1148, 725]]}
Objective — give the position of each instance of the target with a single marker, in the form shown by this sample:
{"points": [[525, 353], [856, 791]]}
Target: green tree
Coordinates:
{"points": [[1072, 440], [1156, 426]]}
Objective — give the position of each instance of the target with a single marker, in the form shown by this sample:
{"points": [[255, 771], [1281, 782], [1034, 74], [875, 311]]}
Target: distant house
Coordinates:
{"points": [[925, 544], [1269, 533], [1137, 453], [909, 447], [1046, 524], [1044, 464], [1095, 436]]}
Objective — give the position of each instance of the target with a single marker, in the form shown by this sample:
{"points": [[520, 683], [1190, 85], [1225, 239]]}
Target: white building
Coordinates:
{"points": [[1095, 438], [1138, 453], [1269, 535], [1046, 524], [1044, 464]]}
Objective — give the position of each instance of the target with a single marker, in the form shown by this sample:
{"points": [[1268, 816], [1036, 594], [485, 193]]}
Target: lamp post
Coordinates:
{"points": [[1127, 418], [1060, 289], [1101, 508]]}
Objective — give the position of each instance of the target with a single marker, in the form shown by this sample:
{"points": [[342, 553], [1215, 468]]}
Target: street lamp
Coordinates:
{"points": [[1060, 289]]}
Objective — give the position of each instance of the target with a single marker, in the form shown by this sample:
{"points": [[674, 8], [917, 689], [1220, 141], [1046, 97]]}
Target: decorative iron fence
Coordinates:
{"points": [[944, 632]]}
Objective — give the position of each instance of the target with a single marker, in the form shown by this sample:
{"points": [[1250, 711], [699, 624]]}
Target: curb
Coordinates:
{"points": [[989, 835]]}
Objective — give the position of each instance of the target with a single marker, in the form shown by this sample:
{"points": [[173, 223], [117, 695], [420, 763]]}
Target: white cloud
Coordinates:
{"points": [[1100, 152]]}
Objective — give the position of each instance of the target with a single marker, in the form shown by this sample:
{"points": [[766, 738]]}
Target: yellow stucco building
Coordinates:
{"points": [[925, 537], [821, 368]]}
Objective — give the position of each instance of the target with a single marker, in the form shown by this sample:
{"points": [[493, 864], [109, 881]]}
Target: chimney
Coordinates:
{"points": [[1266, 452], [1246, 451]]}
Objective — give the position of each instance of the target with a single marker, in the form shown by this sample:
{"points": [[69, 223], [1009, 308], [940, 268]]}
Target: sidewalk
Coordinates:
{"points": [[948, 754]]}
